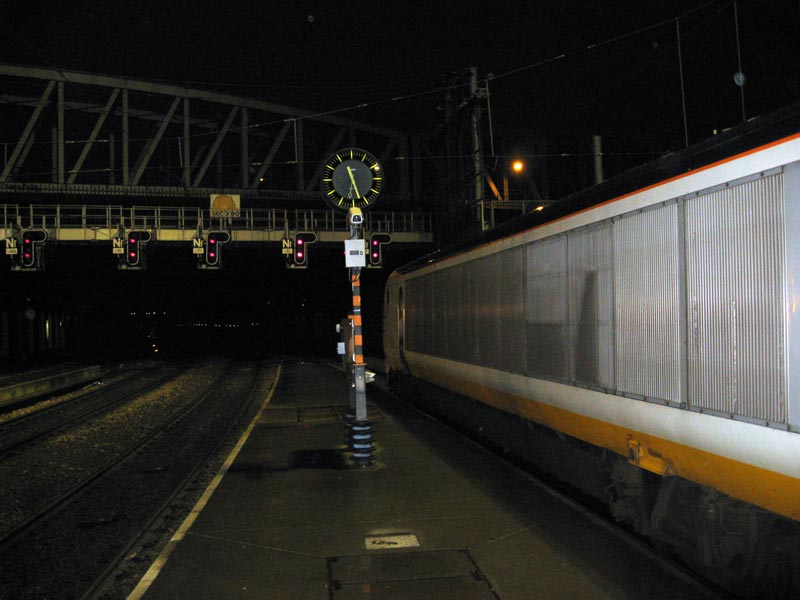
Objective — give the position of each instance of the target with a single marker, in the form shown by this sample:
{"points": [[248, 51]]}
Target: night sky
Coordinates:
{"points": [[393, 56]]}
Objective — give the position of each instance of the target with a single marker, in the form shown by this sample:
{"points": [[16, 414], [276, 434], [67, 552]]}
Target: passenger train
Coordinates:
{"points": [[642, 347]]}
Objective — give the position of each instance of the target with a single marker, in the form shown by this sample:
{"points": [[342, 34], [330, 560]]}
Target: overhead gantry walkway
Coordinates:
{"points": [[89, 224]]}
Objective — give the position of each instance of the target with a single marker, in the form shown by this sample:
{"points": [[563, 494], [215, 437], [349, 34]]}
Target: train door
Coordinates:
{"points": [[401, 324]]}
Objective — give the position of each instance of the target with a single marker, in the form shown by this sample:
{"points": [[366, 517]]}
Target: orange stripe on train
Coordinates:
{"points": [[773, 491]]}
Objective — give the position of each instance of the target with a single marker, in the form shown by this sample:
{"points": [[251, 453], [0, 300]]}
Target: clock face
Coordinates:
{"points": [[352, 178]]}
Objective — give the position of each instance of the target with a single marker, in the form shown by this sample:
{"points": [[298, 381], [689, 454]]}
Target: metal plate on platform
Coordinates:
{"points": [[279, 416], [320, 414], [311, 415], [299, 415], [408, 575], [391, 541]]}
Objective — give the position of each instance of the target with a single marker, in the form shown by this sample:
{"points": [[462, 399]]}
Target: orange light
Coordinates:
{"points": [[517, 166]]}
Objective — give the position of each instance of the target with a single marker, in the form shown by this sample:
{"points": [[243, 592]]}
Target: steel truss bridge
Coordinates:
{"points": [[86, 154]]}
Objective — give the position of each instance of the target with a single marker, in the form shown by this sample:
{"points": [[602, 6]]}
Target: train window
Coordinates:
{"points": [[401, 320], [512, 343], [591, 300], [735, 249], [648, 304], [546, 308]]}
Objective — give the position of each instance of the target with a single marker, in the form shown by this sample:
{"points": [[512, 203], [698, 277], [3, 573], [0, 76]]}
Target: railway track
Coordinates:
{"points": [[71, 545], [117, 576], [29, 427]]}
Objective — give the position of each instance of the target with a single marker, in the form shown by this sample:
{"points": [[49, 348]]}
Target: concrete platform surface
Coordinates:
{"points": [[437, 517]]}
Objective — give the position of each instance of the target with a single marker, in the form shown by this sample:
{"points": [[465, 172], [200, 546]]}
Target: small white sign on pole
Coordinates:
{"points": [[354, 253]]}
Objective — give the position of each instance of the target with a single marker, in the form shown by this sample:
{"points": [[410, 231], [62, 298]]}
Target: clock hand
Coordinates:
{"points": [[353, 180]]}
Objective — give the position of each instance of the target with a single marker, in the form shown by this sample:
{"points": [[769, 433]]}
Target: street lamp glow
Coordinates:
{"points": [[517, 166]]}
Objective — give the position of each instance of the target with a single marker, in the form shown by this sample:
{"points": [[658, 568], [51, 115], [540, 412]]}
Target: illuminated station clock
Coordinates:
{"points": [[352, 178]]}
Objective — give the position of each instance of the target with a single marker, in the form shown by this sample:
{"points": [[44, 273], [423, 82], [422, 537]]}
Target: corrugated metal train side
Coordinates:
{"points": [[658, 331]]}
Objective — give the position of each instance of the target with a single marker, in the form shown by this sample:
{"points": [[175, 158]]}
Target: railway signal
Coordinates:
{"points": [[302, 240], [213, 248], [135, 243], [31, 252], [376, 243]]}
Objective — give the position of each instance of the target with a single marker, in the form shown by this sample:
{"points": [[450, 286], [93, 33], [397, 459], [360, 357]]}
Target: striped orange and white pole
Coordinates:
{"points": [[358, 336], [360, 430]]}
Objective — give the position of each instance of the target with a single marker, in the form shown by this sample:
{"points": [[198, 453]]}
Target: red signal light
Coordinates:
{"points": [[376, 242], [32, 251], [300, 240], [135, 247], [213, 248]]}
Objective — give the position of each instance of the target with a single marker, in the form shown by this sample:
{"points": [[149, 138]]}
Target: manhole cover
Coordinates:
{"points": [[391, 540]]}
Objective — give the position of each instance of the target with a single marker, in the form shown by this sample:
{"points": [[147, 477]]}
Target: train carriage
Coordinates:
{"points": [[644, 348]]}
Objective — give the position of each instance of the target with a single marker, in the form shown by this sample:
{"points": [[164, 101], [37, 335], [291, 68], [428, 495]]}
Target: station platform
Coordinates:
{"points": [[437, 516], [16, 388]]}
